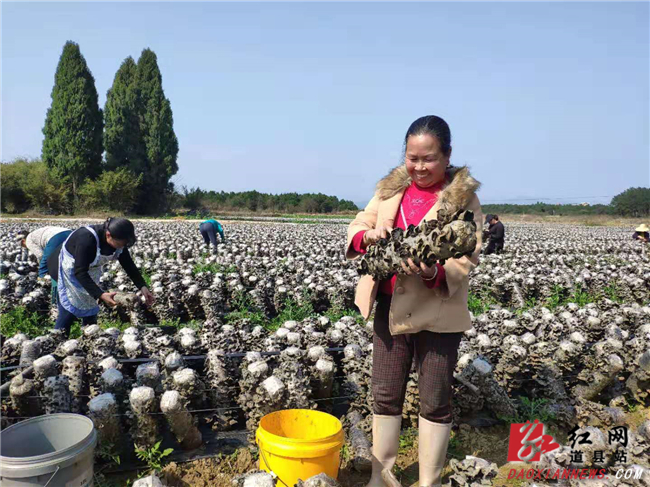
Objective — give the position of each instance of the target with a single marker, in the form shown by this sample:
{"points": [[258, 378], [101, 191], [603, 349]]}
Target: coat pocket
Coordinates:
{"points": [[410, 314]]}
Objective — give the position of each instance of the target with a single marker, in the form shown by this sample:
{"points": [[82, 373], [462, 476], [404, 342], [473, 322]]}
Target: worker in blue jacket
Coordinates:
{"points": [[209, 230]]}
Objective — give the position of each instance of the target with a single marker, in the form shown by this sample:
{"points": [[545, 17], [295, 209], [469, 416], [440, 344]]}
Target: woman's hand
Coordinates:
{"points": [[372, 236], [424, 270], [148, 297], [108, 299]]}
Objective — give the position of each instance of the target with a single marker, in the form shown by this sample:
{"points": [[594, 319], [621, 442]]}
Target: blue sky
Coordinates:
{"points": [[544, 100]]}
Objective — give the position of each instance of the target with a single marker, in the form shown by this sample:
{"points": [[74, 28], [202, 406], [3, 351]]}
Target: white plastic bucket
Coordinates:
{"points": [[54, 450]]}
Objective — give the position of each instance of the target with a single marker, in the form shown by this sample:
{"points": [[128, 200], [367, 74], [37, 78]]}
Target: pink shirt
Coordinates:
{"points": [[416, 203]]}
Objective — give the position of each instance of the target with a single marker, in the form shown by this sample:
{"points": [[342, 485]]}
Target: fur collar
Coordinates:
{"points": [[456, 195]]}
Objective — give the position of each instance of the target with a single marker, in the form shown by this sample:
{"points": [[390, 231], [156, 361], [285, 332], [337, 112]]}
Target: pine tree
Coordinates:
{"points": [[157, 129], [73, 124], [122, 138]]}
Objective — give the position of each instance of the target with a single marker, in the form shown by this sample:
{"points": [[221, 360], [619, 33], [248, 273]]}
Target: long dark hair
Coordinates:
{"points": [[121, 229]]}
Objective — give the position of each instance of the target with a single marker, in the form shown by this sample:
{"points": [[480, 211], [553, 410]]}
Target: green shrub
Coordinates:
{"points": [[112, 191], [29, 184]]}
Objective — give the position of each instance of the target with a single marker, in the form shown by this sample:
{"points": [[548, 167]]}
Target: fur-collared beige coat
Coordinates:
{"points": [[414, 307]]}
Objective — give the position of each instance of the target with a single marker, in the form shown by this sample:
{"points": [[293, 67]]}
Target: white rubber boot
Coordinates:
{"points": [[432, 449], [385, 443]]}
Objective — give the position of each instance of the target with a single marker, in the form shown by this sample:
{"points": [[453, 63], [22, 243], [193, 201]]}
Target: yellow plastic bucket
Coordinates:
{"points": [[298, 444]]}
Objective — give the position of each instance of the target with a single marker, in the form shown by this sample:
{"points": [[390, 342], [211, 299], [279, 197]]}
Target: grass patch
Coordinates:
{"points": [[36, 323], [345, 454], [177, 324], [335, 313], [213, 267], [75, 329], [557, 298], [304, 221], [255, 317], [455, 447], [581, 297], [19, 320], [479, 303], [243, 309], [407, 439], [293, 311], [613, 293], [530, 410], [105, 324], [146, 275], [530, 303], [561, 296], [205, 267], [632, 407], [613, 260]]}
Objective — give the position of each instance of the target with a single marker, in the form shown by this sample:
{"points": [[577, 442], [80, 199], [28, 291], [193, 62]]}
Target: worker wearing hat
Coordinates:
{"points": [[641, 233], [77, 266]]}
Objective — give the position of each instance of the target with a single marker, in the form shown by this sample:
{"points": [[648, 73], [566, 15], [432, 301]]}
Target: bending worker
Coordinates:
{"points": [[641, 233], [497, 236], [209, 230], [42, 242], [77, 264]]}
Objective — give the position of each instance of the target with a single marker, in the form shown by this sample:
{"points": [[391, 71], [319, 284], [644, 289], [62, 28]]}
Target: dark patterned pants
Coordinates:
{"points": [[435, 355]]}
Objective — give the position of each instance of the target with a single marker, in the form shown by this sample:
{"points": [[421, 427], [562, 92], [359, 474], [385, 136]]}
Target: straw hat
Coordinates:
{"points": [[642, 228]]}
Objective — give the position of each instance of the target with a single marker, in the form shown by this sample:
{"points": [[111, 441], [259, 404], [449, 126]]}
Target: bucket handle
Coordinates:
{"points": [[55, 472], [269, 467]]}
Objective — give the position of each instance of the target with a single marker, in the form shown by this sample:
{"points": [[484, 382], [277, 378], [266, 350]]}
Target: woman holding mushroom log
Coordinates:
{"points": [[421, 312], [77, 266]]}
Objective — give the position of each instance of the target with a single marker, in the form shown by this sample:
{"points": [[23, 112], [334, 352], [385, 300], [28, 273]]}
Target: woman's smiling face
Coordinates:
{"points": [[425, 162]]}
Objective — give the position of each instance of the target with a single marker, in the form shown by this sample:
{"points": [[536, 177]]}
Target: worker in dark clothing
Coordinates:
{"points": [[641, 233], [497, 236], [209, 230], [76, 265]]}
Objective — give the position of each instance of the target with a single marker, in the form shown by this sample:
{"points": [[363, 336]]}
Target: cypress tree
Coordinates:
{"points": [[157, 129], [122, 138], [73, 125]]}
